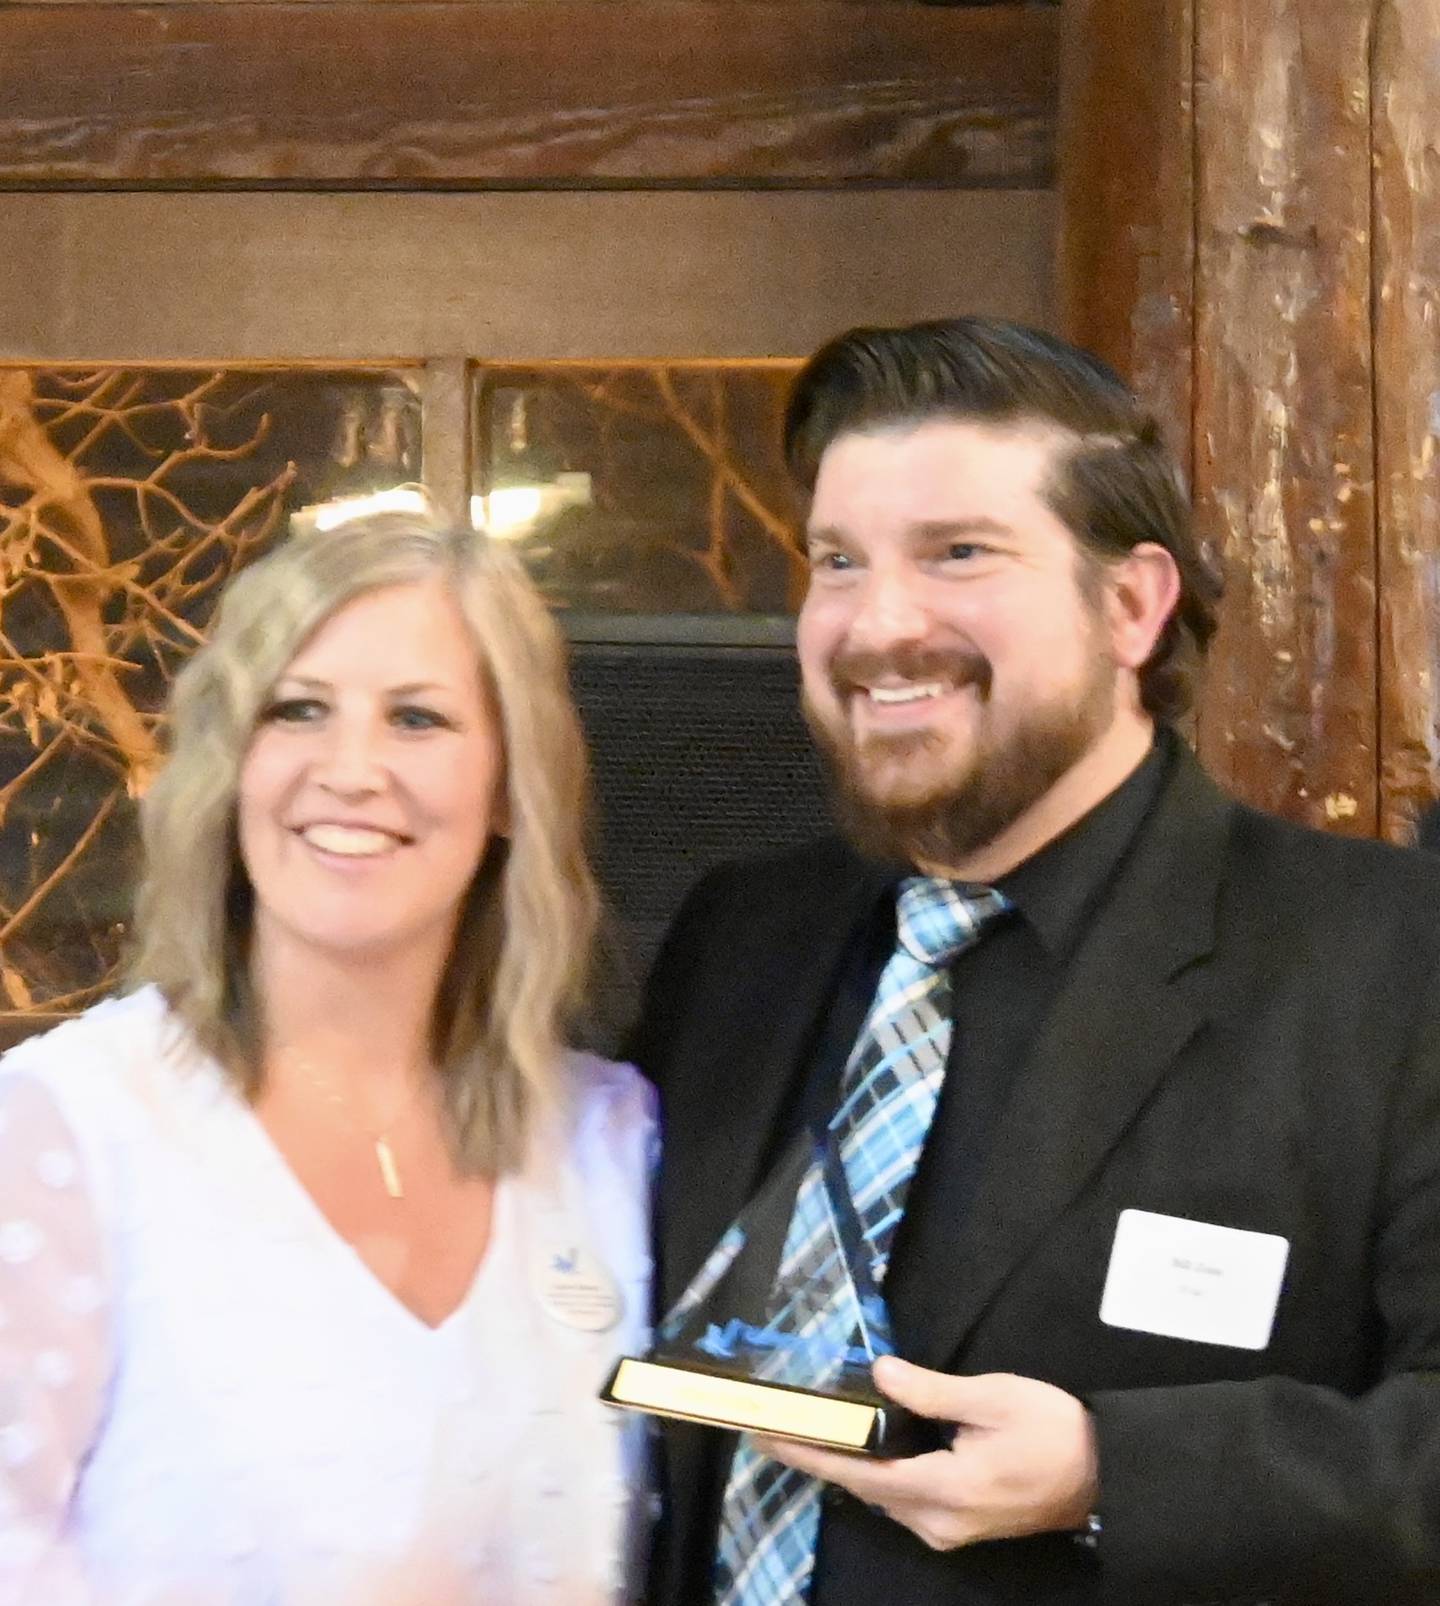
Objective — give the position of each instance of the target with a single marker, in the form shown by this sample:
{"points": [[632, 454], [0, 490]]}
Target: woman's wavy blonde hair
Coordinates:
{"points": [[521, 955]]}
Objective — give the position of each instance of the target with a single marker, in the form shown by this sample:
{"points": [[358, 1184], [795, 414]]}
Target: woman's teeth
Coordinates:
{"points": [[353, 841]]}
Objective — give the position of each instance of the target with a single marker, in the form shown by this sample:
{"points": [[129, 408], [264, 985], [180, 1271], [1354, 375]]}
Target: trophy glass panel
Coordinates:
{"points": [[778, 1330]]}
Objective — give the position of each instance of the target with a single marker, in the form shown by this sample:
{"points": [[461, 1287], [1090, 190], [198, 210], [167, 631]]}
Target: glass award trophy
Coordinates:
{"points": [[780, 1327]]}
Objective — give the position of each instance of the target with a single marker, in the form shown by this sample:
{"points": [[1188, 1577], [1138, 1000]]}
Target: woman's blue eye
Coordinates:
{"points": [[962, 549], [294, 710], [415, 719]]}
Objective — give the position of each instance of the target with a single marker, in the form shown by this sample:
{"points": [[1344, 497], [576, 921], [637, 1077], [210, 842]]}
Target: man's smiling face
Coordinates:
{"points": [[953, 643]]}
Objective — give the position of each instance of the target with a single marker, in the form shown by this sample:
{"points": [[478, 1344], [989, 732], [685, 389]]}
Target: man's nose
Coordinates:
{"points": [[892, 608]]}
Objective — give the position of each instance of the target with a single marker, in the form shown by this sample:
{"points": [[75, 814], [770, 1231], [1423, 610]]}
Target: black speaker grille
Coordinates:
{"points": [[700, 754]]}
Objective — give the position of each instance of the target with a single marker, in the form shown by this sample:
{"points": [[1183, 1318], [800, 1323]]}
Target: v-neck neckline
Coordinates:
{"points": [[319, 1228]]}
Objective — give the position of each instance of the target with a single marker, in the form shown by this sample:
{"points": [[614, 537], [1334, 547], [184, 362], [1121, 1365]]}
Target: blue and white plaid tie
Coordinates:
{"points": [[770, 1516]]}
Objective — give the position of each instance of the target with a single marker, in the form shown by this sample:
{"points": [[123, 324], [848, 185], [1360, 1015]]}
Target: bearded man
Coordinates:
{"points": [[1161, 1245]]}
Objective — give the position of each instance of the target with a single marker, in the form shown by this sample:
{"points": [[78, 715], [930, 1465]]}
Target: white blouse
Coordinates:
{"points": [[207, 1399]]}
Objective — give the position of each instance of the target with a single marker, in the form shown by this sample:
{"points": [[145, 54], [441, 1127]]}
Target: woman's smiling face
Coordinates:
{"points": [[373, 782]]}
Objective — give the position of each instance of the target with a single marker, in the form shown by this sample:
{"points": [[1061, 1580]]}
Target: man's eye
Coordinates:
{"points": [[962, 551], [833, 561], [293, 711]]}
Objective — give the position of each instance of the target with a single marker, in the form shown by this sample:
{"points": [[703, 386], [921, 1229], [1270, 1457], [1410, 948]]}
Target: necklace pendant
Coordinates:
{"points": [[389, 1171]]}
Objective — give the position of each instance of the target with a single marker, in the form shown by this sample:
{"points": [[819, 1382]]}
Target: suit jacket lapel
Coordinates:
{"points": [[1133, 998]]}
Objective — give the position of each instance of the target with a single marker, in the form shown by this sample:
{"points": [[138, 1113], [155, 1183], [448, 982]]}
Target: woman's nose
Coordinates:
{"points": [[351, 764]]}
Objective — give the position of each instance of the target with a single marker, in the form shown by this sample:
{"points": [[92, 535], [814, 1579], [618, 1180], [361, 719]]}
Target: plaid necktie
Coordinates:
{"points": [[770, 1516]]}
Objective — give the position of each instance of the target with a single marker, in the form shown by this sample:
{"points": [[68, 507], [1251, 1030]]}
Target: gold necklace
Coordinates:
{"points": [[377, 1135]]}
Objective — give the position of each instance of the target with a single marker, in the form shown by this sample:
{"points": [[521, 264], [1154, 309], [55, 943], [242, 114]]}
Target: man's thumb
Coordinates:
{"points": [[932, 1394]]}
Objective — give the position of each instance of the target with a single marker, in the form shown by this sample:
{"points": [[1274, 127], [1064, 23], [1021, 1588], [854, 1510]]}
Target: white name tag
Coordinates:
{"points": [[576, 1289], [1189, 1279]]}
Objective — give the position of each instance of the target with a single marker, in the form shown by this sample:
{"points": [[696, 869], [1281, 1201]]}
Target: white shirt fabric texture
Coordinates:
{"points": [[207, 1399]]}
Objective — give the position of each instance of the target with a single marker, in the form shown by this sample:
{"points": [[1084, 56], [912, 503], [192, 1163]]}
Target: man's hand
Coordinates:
{"points": [[1022, 1460]]}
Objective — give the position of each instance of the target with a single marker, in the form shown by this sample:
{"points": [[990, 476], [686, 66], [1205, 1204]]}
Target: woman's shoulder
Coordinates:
{"points": [[109, 1027], [612, 1153], [109, 1050], [607, 1091], [90, 1088], [614, 1112]]}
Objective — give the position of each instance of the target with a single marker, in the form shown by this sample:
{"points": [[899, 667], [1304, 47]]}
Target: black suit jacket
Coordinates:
{"points": [[1248, 1035], [1428, 832]]}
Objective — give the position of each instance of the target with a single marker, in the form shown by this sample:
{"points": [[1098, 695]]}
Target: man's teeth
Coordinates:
{"points": [[904, 694], [355, 841]]}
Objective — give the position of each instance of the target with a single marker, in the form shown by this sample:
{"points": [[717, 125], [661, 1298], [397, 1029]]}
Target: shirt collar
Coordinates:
{"points": [[1056, 889]]}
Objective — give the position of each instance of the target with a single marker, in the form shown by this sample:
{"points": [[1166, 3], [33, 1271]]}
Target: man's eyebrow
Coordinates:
{"points": [[927, 530], [935, 529]]}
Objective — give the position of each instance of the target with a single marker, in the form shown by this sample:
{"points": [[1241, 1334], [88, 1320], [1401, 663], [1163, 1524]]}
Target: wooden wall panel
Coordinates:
{"points": [[1407, 405], [1284, 448], [759, 5], [349, 94], [1126, 155], [153, 278]]}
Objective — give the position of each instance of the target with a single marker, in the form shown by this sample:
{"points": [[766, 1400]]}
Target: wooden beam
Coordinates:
{"points": [[217, 279], [1283, 396], [15, 1026], [1407, 406], [1127, 196], [353, 95]]}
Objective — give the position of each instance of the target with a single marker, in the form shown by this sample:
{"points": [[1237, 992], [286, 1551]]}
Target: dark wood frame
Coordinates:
{"points": [[1248, 228], [350, 94]]}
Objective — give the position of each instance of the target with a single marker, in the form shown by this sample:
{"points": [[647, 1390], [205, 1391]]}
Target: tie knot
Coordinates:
{"points": [[937, 920]]}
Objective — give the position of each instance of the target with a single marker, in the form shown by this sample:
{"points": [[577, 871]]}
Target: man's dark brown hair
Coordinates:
{"points": [[1114, 481]]}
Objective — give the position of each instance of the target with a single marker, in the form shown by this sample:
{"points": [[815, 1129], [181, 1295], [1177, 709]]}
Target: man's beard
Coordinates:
{"points": [[947, 822]]}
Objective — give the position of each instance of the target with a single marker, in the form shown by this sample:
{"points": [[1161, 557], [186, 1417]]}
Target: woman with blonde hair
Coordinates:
{"points": [[316, 1246]]}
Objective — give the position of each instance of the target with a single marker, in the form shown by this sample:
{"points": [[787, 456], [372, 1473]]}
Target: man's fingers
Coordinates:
{"points": [[877, 1483], [823, 1464], [900, 1489], [935, 1394], [867, 1480]]}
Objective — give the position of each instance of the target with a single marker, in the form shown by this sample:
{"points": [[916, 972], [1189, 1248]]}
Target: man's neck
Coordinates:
{"points": [[1088, 782]]}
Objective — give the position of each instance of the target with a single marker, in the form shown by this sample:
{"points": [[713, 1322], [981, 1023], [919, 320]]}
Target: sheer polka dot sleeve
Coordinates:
{"points": [[54, 1344]]}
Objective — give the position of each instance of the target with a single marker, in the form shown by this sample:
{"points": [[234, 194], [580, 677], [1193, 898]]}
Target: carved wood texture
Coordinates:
{"points": [[1262, 257], [349, 94]]}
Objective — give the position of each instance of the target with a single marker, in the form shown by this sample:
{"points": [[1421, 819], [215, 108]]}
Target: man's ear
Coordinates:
{"points": [[1142, 591]]}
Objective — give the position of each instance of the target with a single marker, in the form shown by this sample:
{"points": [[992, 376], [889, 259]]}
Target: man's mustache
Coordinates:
{"points": [[852, 671]]}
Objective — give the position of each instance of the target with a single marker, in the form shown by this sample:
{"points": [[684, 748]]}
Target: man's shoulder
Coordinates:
{"points": [[1427, 833], [811, 877], [815, 862], [1322, 855], [1278, 855], [765, 907], [1375, 893]]}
